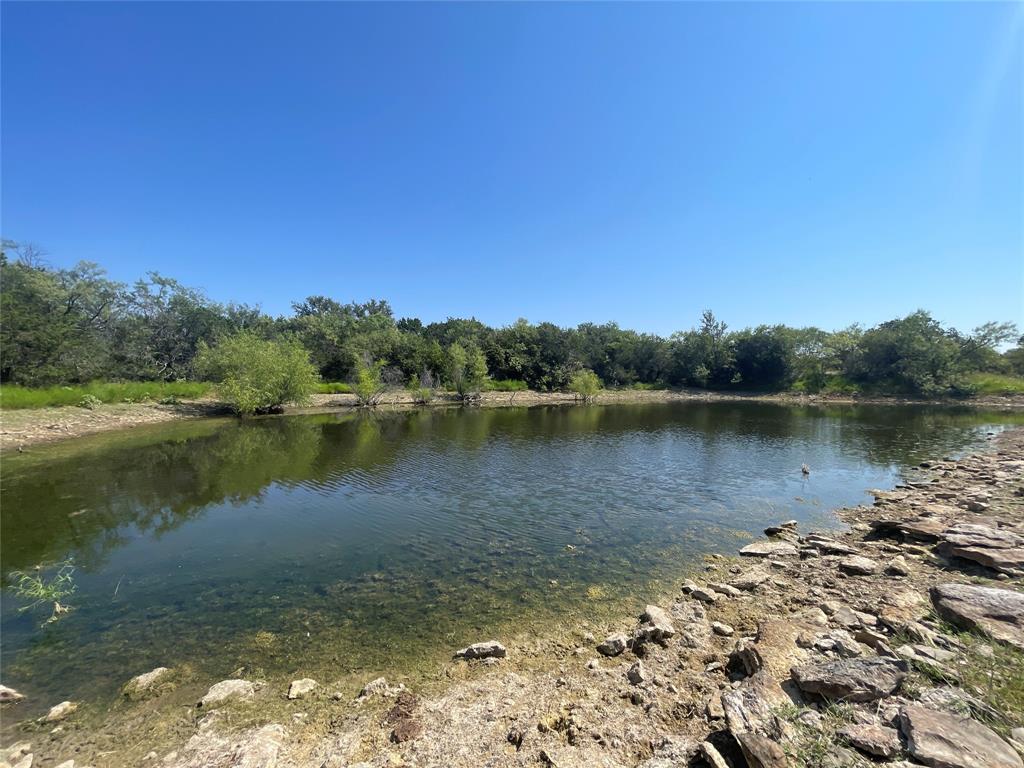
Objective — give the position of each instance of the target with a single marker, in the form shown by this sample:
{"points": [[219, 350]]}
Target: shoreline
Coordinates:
{"points": [[22, 429], [740, 664]]}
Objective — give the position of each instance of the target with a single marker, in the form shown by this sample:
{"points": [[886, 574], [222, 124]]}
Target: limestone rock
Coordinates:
{"points": [[723, 630], [704, 595], [255, 748], [760, 751], [828, 545], [998, 613], [489, 649], [613, 645], [8, 695], [226, 690], [712, 755], [769, 549], [656, 624], [860, 679], [146, 683], [750, 579], [947, 741], [751, 707], [60, 711], [858, 566], [299, 689], [638, 673], [877, 740]]}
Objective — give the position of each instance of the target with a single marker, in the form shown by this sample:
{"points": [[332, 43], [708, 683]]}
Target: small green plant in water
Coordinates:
{"points": [[41, 590]]}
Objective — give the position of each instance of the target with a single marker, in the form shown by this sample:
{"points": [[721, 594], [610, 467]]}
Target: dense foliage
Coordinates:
{"points": [[255, 375], [73, 326]]}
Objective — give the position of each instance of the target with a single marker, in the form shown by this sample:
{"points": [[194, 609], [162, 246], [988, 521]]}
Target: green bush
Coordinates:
{"points": [[257, 376], [367, 384], [89, 402], [585, 385], [334, 388], [14, 397], [505, 385]]}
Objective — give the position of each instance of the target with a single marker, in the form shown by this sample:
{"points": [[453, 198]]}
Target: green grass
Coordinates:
{"points": [[334, 388], [642, 386], [834, 384], [505, 385], [14, 397], [996, 384]]}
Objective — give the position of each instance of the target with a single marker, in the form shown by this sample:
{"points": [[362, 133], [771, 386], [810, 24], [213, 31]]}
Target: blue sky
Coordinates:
{"points": [[809, 164]]}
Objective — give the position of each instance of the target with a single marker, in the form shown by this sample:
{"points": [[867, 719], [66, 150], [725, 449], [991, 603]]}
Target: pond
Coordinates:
{"points": [[355, 544]]}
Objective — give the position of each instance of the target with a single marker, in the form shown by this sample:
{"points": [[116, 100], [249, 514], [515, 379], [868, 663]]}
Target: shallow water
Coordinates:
{"points": [[358, 543]]}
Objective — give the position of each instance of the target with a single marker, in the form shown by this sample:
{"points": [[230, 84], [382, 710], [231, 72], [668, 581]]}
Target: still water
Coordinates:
{"points": [[361, 543]]}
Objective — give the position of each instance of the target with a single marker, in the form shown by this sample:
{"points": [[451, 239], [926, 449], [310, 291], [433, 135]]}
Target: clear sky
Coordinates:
{"points": [[808, 164]]}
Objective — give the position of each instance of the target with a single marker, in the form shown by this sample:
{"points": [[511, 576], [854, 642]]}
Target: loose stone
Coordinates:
{"points": [[301, 688], [613, 645], [226, 690], [489, 649]]}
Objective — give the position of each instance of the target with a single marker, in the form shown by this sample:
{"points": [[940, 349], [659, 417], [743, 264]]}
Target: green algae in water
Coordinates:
{"points": [[347, 545]]}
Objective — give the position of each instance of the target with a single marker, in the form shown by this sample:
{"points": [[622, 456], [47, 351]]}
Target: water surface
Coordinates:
{"points": [[361, 543]]}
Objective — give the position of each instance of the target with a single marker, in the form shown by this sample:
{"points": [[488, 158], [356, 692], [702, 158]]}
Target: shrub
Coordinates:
{"points": [[467, 369], [89, 402], [422, 387], [367, 383], [585, 385], [256, 375], [334, 388]]}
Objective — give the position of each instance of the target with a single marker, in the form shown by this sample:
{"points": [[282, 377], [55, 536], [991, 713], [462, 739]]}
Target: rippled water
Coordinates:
{"points": [[366, 542]]}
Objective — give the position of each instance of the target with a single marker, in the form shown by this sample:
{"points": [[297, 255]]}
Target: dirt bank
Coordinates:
{"points": [[21, 429], [898, 642]]}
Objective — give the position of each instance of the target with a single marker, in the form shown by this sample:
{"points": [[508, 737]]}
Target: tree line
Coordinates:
{"points": [[69, 326]]}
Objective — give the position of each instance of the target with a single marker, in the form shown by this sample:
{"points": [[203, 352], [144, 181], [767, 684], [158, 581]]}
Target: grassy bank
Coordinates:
{"points": [[13, 397], [996, 384]]}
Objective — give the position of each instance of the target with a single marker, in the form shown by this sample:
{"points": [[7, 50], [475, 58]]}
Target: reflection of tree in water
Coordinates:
{"points": [[86, 505]]}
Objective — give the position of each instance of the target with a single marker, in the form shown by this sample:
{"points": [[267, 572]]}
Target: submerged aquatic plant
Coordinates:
{"points": [[43, 590]]}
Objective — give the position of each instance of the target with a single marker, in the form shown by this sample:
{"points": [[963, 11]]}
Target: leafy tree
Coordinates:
{"points": [[764, 357], [55, 323], [915, 355], [585, 385], [256, 375]]}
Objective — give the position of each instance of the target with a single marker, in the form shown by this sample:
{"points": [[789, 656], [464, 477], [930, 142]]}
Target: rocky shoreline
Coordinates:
{"points": [[898, 642]]}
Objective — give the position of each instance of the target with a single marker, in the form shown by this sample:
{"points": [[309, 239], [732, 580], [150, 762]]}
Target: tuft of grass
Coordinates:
{"points": [[505, 385], [39, 589], [334, 388], [14, 397], [996, 384], [810, 747]]}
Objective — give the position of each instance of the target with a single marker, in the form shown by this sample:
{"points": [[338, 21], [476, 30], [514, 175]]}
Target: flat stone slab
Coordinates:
{"points": [[769, 549], [877, 740], [998, 613], [942, 740], [858, 679], [858, 566]]}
